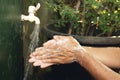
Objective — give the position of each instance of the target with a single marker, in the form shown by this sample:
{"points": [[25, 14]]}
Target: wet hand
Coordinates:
{"points": [[59, 50], [35, 60], [62, 51]]}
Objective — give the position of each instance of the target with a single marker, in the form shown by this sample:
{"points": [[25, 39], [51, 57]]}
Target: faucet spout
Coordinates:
{"points": [[31, 17], [37, 20]]}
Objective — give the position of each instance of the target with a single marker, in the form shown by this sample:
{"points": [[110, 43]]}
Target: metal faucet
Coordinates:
{"points": [[31, 16]]}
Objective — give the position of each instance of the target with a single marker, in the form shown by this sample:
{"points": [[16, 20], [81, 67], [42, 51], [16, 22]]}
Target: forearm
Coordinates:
{"points": [[97, 69], [109, 56]]}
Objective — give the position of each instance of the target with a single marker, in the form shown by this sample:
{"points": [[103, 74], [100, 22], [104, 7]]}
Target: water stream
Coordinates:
{"points": [[33, 44]]}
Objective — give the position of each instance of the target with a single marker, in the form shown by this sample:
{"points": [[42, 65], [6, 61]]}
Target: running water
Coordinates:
{"points": [[33, 44]]}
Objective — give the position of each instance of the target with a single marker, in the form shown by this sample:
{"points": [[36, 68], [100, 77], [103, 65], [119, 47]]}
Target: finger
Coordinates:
{"points": [[41, 64], [44, 65], [37, 63], [52, 54], [31, 60], [34, 54], [60, 60], [39, 52], [40, 55], [53, 60], [39, 48], [31, 55]]}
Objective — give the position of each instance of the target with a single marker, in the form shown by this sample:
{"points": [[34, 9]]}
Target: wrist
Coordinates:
{"points": [[79, 54]]}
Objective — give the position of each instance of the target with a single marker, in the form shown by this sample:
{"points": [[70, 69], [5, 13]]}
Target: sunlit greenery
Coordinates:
{"points": [[104, 14], [86, 17]]}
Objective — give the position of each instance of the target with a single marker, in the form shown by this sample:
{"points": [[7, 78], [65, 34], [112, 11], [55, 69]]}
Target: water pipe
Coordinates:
{"points": [[31, 16]]}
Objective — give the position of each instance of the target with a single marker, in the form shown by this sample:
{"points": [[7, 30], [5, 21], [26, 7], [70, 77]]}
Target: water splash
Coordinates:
{"points": [[34, 39], [33, 44]]}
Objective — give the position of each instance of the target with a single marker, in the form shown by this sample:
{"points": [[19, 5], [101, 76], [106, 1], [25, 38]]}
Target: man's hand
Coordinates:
{"points": [[59, 50]]}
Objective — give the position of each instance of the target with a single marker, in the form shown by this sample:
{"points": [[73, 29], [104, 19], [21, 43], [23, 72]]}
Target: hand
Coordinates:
{"points": [[41, 51], [34, 57], [60, 42], [59, 50], [64, 49]]}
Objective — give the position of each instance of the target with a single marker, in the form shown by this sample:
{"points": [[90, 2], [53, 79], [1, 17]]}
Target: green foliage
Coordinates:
{"points": [[88, 17], [105, 14], [65, 13]]}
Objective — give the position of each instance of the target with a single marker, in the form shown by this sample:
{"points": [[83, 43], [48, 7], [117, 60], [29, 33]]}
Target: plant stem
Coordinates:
{"points": [[70, 30], [77, 5], [110, 33], [77, 9], [83, 19]]}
